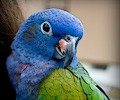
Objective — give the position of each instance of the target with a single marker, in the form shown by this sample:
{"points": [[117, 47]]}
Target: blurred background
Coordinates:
{"points": [[99, 49]]}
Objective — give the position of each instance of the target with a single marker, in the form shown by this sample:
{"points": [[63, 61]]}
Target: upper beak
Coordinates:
{"points": [[65, 49]]}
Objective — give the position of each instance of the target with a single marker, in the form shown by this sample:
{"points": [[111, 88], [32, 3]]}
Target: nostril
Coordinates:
{"points": [[68, 39]]}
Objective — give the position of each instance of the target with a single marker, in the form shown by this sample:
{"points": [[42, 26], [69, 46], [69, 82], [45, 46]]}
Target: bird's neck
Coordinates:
{"points": [[39, 61], [74, 61]]}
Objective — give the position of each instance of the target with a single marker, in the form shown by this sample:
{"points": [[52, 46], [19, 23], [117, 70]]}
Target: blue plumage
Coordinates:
{"points": [[34, 47]]}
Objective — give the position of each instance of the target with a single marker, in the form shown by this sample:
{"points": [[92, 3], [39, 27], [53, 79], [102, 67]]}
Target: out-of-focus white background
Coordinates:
{"points": [[99, 49]]}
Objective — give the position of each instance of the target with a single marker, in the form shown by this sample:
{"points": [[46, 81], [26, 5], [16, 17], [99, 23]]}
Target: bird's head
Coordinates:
{"points": [[51, 34]]}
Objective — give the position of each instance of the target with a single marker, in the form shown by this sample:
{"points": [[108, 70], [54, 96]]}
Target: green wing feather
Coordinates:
{"points": [[89, 86], [70, 84]]}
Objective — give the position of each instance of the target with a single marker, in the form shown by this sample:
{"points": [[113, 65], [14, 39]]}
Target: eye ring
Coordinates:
{"points": [[46, 28]]}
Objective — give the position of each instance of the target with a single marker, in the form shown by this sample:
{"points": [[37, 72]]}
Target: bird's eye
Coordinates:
{"points": [[46, 28]]}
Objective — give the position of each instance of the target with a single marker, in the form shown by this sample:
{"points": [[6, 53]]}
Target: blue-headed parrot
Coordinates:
{"points": [[43, 64]]}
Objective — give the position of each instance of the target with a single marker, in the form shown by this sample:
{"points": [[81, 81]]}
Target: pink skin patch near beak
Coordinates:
{"points": [[62, 44]]}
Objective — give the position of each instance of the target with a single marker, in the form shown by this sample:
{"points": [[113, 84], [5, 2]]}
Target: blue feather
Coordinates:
{"points": [[31, 46]]}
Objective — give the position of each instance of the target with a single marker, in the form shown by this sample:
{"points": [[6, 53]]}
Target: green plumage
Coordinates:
{"points": [[70, 84]]}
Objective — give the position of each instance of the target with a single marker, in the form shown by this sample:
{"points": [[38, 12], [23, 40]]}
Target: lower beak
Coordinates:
{"points": [[65, 49]]}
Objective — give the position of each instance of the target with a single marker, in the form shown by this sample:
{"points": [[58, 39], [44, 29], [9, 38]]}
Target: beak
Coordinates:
{"points": [[65, 49]]}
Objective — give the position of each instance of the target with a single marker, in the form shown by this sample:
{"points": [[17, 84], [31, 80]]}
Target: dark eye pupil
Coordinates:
{"points": [[46, 27]]}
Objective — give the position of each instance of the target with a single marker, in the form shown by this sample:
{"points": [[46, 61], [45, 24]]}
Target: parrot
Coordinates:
{"points": [[43, 64]]}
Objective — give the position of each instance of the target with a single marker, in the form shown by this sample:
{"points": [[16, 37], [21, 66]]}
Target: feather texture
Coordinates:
{"points": [[70, 84]]}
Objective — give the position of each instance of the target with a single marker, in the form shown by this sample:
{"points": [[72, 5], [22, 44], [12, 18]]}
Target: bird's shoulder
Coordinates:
{"points": [[89, 86]]}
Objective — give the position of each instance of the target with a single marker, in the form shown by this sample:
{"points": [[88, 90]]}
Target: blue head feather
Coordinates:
{"points": [[62, 23]]}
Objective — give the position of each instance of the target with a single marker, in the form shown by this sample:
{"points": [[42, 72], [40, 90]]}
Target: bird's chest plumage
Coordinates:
{"points": [[61, 85], [27, 77]]}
